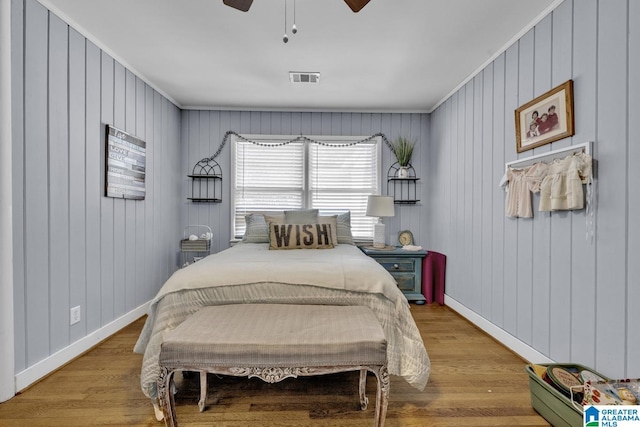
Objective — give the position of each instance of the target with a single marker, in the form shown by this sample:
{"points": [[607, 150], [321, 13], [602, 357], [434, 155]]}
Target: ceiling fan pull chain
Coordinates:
{"points": [[294, 29], [286, 37]]}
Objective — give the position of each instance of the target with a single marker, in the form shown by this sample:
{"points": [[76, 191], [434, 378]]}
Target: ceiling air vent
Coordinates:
{"points": [[304, 77]]}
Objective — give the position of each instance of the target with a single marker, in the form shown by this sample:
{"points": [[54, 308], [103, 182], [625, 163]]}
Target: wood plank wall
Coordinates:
{"points": [[203, 132], [72, 245], [540, 279]]}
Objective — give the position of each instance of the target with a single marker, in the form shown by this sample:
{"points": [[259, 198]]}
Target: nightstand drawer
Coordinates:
{"points": [[406, 281], [397, 264]]}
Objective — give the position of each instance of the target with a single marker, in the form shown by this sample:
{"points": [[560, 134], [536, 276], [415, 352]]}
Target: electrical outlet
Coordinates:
{"points": [[75, 315]]}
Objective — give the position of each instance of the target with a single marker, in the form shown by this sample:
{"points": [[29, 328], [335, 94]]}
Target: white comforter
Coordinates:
{"points": [[251, 273]]}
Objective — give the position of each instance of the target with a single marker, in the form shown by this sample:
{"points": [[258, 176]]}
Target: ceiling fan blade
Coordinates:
{"points": [[356, 5], [242, 5]]}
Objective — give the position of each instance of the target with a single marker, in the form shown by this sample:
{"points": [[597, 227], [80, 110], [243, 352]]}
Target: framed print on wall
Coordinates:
{"points": [[125, 168], [545, 119]]}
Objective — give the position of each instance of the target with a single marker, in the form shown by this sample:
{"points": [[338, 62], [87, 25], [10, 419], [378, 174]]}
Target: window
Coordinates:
{"points": [[332, 174]]}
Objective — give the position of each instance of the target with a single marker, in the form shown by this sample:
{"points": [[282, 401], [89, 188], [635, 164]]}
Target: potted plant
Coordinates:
{"points": [[403, 150]]}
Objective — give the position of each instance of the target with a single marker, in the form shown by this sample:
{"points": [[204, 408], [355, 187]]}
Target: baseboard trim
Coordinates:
{"points": [[43, 368], [521, 348]]}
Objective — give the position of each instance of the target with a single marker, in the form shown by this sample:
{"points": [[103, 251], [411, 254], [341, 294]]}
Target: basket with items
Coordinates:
{"points": [[195, 246], [559, 392]]}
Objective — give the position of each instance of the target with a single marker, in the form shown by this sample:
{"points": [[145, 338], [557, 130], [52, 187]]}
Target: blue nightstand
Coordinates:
{"points": [[404, 266]]}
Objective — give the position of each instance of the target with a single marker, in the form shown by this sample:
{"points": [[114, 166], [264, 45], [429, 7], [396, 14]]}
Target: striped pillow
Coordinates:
{"points": [[342, 228]]}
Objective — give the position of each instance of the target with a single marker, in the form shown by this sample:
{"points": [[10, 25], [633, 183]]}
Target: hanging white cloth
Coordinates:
{"points": [[561, 188], [521, 183]]}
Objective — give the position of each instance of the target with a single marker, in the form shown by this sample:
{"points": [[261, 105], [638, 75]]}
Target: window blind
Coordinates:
{"points": [[333, 178]]}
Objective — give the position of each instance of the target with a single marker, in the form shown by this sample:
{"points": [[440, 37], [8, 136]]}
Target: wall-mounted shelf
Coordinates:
{"points": [[550, 156], [206, 182], [401, 184]]}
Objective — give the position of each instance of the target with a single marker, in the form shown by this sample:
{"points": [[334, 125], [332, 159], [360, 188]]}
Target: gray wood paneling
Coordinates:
{"points": [[17, 170], [486, 191], [633, 268], [457, 170], [612, 139], [512, 248], [152, 276], [94, 187], [119, 227], [500, 115], [79, 247], [131, 233], [524, 267], [78, 251], [107, 212], [541, 80], [141, 282], [36, 184], [477, 168], [560, 223], [58, 169], [466, 182], [583, 260], [570, 298]]}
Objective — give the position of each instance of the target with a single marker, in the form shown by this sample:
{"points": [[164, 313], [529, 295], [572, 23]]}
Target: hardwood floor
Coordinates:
{"points": [[475, 381]]}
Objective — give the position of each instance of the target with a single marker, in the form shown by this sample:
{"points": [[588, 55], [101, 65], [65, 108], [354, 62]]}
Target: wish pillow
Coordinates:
{"points": [[300, 236], [332, 221]]}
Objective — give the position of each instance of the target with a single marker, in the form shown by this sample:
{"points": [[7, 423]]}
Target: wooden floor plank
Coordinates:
{"points": [[475, 381]]}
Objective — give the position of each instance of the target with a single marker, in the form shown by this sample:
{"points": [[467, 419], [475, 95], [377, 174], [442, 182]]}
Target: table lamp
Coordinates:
{"points": [[379, 206]]}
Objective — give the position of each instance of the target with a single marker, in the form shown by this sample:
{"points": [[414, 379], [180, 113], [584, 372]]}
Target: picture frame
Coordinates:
{"points": [[534, 130], [125, 165]]}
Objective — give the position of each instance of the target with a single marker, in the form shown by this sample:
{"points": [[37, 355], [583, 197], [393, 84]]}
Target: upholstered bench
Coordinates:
{"points": [[274, 342]]}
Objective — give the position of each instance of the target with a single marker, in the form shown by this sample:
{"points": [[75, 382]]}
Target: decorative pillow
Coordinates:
{"points": [[257, 228], [331, 220], [278, 219], [343, 229], [301, 216], [300, 236]]}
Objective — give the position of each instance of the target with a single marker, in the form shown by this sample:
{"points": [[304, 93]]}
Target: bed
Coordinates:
{"points": [[249, 273]]}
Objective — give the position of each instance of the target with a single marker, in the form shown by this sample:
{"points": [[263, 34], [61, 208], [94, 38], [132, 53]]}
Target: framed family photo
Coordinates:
{"points": [[545, 119]]}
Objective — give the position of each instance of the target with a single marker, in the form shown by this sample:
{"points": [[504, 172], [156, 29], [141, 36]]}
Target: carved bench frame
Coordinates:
{"points": [[271, 375]]}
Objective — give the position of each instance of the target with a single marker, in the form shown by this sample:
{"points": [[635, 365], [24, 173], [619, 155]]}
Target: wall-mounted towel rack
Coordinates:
{"points": [[560, 153]]}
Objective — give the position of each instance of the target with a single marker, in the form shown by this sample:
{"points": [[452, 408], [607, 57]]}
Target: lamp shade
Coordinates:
{"points": [[380, 206]]}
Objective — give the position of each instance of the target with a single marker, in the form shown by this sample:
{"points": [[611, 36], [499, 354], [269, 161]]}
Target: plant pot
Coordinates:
{"points": [[403, 172]]}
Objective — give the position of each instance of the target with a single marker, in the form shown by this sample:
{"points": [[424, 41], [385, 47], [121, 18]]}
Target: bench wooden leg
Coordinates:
{"points": [[382, 395], [364, 401], [166, 398], [203, 390]]}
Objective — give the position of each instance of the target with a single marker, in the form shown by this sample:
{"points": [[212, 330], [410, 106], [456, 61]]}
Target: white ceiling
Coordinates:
{"points": [[392, 56]]}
